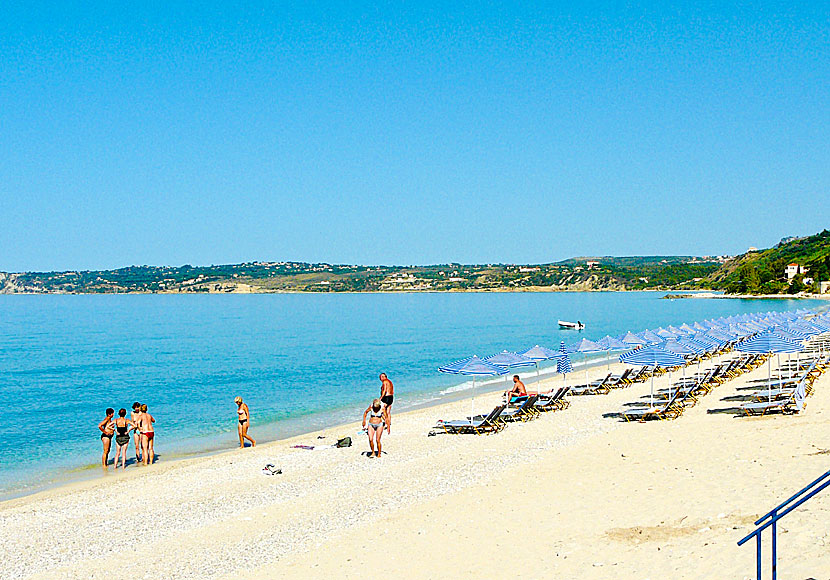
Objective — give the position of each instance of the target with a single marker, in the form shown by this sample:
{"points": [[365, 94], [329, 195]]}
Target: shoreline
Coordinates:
{"points": [[91, 472], [559, 485], [249, 291]]}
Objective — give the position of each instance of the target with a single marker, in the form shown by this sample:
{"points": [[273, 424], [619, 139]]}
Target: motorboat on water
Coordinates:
{"points": [[571, 325]]}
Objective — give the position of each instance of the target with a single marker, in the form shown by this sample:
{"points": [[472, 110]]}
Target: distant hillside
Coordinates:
{"points": [[634, 261], [631, 273], [764, 271]]}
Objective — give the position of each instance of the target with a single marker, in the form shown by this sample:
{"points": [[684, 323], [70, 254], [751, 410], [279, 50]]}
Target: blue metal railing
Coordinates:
{"points": [[770, 519]]}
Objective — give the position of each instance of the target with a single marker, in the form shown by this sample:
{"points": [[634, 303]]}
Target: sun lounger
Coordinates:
{"points": [[485, 425], [794, 403], [524, 412], [551, 402], [667, 410]]}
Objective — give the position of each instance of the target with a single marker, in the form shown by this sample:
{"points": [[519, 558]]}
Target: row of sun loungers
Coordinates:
{"points": [[611, 381], [786, 395], [527, 409], [669, 403]]}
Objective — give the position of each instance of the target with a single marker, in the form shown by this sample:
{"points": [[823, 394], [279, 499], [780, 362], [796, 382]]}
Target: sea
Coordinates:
{"points": [[302, 362]]}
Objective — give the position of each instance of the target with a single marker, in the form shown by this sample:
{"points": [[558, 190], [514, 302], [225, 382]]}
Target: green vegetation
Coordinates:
{"points": [[651, 272], [764, 272]]}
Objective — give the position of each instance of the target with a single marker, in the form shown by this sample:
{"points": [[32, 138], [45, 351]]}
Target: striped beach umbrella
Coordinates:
{"points": [[585, 346], [633, 340], [473, 367], [563, 365], [538, 354], [769, 343], [652, 356], [610, 345], [650, 337], [510, 360]]}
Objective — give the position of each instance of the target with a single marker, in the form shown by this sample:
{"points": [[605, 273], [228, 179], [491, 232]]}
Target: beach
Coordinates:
{"points": [[572, 494]]}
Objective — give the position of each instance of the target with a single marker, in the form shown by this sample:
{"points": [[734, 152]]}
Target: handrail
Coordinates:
{"points": [[770, 519], [791, 498]]}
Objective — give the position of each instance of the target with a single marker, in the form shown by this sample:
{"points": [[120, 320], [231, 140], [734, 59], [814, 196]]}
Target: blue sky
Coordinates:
{"points": [[407, 133]]}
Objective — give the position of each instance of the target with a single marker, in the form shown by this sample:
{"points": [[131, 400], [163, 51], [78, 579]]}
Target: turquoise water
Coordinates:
{"points": [[301, 361]]}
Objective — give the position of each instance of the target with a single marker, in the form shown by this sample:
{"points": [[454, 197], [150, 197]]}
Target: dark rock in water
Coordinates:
{"points": [[673, 296]]}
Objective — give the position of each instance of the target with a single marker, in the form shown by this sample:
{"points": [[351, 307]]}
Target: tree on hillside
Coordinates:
{"points": [[750, 283], [797, 285]]}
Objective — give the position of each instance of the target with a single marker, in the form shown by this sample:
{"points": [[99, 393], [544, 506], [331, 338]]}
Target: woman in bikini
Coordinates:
{"points": [[148, 434], [378, 421], [135, 417], [106, 427], [244, 417], [122, 437]]}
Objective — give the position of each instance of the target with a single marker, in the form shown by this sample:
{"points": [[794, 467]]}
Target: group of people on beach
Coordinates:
{"points": [[138, 427]]}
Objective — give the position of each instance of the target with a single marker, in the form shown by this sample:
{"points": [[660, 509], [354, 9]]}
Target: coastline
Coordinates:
{"points": [[560, 485], [91, 472]]}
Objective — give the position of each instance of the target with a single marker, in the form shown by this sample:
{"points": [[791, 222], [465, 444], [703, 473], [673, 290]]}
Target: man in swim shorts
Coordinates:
{"points": [[517, 391], [387, 396]]}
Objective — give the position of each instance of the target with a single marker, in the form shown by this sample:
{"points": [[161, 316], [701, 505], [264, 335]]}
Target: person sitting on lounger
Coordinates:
{"points": [[518, 392]]}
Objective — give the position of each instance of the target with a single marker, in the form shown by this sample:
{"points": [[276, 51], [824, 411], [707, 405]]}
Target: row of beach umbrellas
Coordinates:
{"points": [[762, 333]]}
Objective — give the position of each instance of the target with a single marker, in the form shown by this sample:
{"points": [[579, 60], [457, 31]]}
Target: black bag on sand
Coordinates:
{"points": [[345, 442]]}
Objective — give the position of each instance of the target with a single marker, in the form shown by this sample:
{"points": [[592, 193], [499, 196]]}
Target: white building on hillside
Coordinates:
{"points": [[793, 270]]}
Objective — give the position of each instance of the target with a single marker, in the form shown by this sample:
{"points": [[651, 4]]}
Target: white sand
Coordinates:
{"points": [[570, 495]]}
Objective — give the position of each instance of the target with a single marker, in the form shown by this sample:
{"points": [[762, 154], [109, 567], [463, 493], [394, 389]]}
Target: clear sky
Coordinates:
{"points": [[407, 133]]}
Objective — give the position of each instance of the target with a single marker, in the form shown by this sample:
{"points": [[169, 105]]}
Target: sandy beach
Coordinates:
{"points": [[572, 494]]}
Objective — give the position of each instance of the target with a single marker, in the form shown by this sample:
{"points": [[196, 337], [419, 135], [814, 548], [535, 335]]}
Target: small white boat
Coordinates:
{"points": [[571, 325]]}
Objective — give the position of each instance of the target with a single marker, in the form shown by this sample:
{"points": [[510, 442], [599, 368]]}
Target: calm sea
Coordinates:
{"points": [[300, 361]]}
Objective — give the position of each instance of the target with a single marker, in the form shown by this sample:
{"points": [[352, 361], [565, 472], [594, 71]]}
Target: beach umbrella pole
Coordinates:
{"points": [[472, 401]]}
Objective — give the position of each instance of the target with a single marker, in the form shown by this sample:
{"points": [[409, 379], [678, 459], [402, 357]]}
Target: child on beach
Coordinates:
{"points": [[148, 435], [244, 416], [378, 420], [122, 437], [107, 430]]}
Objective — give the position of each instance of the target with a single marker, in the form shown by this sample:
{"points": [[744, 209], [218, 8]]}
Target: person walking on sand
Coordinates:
{"points": [[148, 435], [135, 415], [122, 437], [244, 416], [107, 429], [378, 420], [387, 394]]}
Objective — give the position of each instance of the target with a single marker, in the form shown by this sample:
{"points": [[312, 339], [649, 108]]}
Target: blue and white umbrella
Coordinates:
{"points": [[650, 337], [538, 354], [610, 345], [652, 356], [769, 343], [473, 367], [585, 346], [633, 340], [563, 365], [510, 360]]}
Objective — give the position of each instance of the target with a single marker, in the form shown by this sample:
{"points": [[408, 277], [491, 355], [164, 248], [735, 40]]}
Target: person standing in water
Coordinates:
{"points": [[387, 397], [378, 419], [135, 416], [122, 437], [148, 435], [107, 428], [244, 417]]}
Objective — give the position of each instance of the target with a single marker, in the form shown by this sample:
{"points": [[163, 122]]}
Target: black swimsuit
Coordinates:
{"points": [[122, 438]]}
